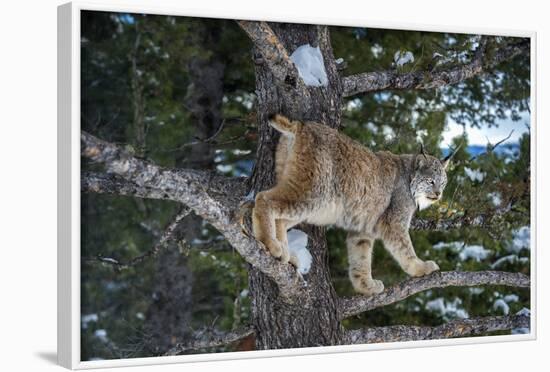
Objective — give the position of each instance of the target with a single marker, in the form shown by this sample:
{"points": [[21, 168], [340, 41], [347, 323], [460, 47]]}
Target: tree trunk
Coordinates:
{"points": [[313, 320]]}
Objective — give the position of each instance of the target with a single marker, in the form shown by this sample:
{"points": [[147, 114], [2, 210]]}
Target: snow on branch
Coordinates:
{"points": [[355, 305], [162, 242], [213, 197], [382, 80], [454, 328], [274, 54], [210, 338]]}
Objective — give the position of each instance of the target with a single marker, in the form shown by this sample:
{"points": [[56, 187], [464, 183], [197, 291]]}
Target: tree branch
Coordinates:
{"points": [[161, 243], [454, 328], [355, 305], [215, 198], [210, 338], [456, 222], [274, 54], [104, 183], [382, 80]]}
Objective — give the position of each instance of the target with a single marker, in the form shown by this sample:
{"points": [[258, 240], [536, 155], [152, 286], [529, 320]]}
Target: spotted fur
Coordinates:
{"points": [[326, 178]]}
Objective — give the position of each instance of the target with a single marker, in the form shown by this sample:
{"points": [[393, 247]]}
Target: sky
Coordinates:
{"points": [[479, 136]]}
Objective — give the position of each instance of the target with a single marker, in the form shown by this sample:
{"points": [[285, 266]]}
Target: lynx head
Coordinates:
{"points": [[429, 178]]}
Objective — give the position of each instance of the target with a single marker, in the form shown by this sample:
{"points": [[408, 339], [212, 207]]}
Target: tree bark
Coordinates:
{"points": [[313, 320]]}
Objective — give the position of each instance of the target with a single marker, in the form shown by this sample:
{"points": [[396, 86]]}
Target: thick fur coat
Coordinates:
{"points": [[326, 178]]}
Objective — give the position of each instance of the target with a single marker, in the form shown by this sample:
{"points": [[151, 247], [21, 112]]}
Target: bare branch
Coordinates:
{"points": [[382, 80], [213, 197], [457, 222], [161, 243], [355, 305], [454, 328], [274, 54], [210, 338], [491, 147], [199, 140]]}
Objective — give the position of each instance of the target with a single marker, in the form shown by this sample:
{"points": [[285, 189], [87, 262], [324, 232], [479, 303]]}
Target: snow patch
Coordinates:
{"points": [[511, 259], [420, 134], [224, 168], [511, 298], [354, 104], [476, 291], [310, 64], [297, 243], [525, 312], [376, 50], [465, 252], [101, 334], [475, 252], [88, 318], [474, 174], [251, 196], [373, 128], [500, 304], [402, 57], [495, 198], [388, 132], [447, 309], [521, 239]]}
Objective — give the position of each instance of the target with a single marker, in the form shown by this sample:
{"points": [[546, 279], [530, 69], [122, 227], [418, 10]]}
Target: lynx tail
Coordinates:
{"points": [[283, 125]]}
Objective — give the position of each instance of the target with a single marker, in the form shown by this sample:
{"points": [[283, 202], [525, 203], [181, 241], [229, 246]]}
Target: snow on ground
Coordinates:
{"points": [[446, 309], [297, 243], [403, 57], [474, 174], [310, 64]]}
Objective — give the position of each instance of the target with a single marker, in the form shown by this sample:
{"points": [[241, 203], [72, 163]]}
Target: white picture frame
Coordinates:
{"points": [[69, 190]]}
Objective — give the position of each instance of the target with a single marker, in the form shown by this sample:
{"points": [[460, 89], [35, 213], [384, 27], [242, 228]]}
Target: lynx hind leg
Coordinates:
{"points": [[400, 246], [266, 211], [360, 261]]}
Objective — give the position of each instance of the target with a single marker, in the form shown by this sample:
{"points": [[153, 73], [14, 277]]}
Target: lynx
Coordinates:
{"points": [[325, 178]]}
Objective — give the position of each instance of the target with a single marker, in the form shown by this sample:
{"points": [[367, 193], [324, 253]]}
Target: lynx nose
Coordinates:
{"points": [[437, 193]]}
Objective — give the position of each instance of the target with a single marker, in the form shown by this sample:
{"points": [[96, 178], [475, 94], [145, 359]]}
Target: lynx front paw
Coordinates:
{"points": [[368, 287], [277, 250], [421, 268]]}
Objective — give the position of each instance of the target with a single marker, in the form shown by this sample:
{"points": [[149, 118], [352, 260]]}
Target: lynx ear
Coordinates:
{"points": [[422, 151], [420, 158]]}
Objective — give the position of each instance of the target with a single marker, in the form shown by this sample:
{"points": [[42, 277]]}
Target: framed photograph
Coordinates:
{"points": [[237, 188]]}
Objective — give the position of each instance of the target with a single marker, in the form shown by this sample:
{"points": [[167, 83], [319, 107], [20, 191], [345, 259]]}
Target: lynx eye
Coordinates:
{"points": [[431, 182]]}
